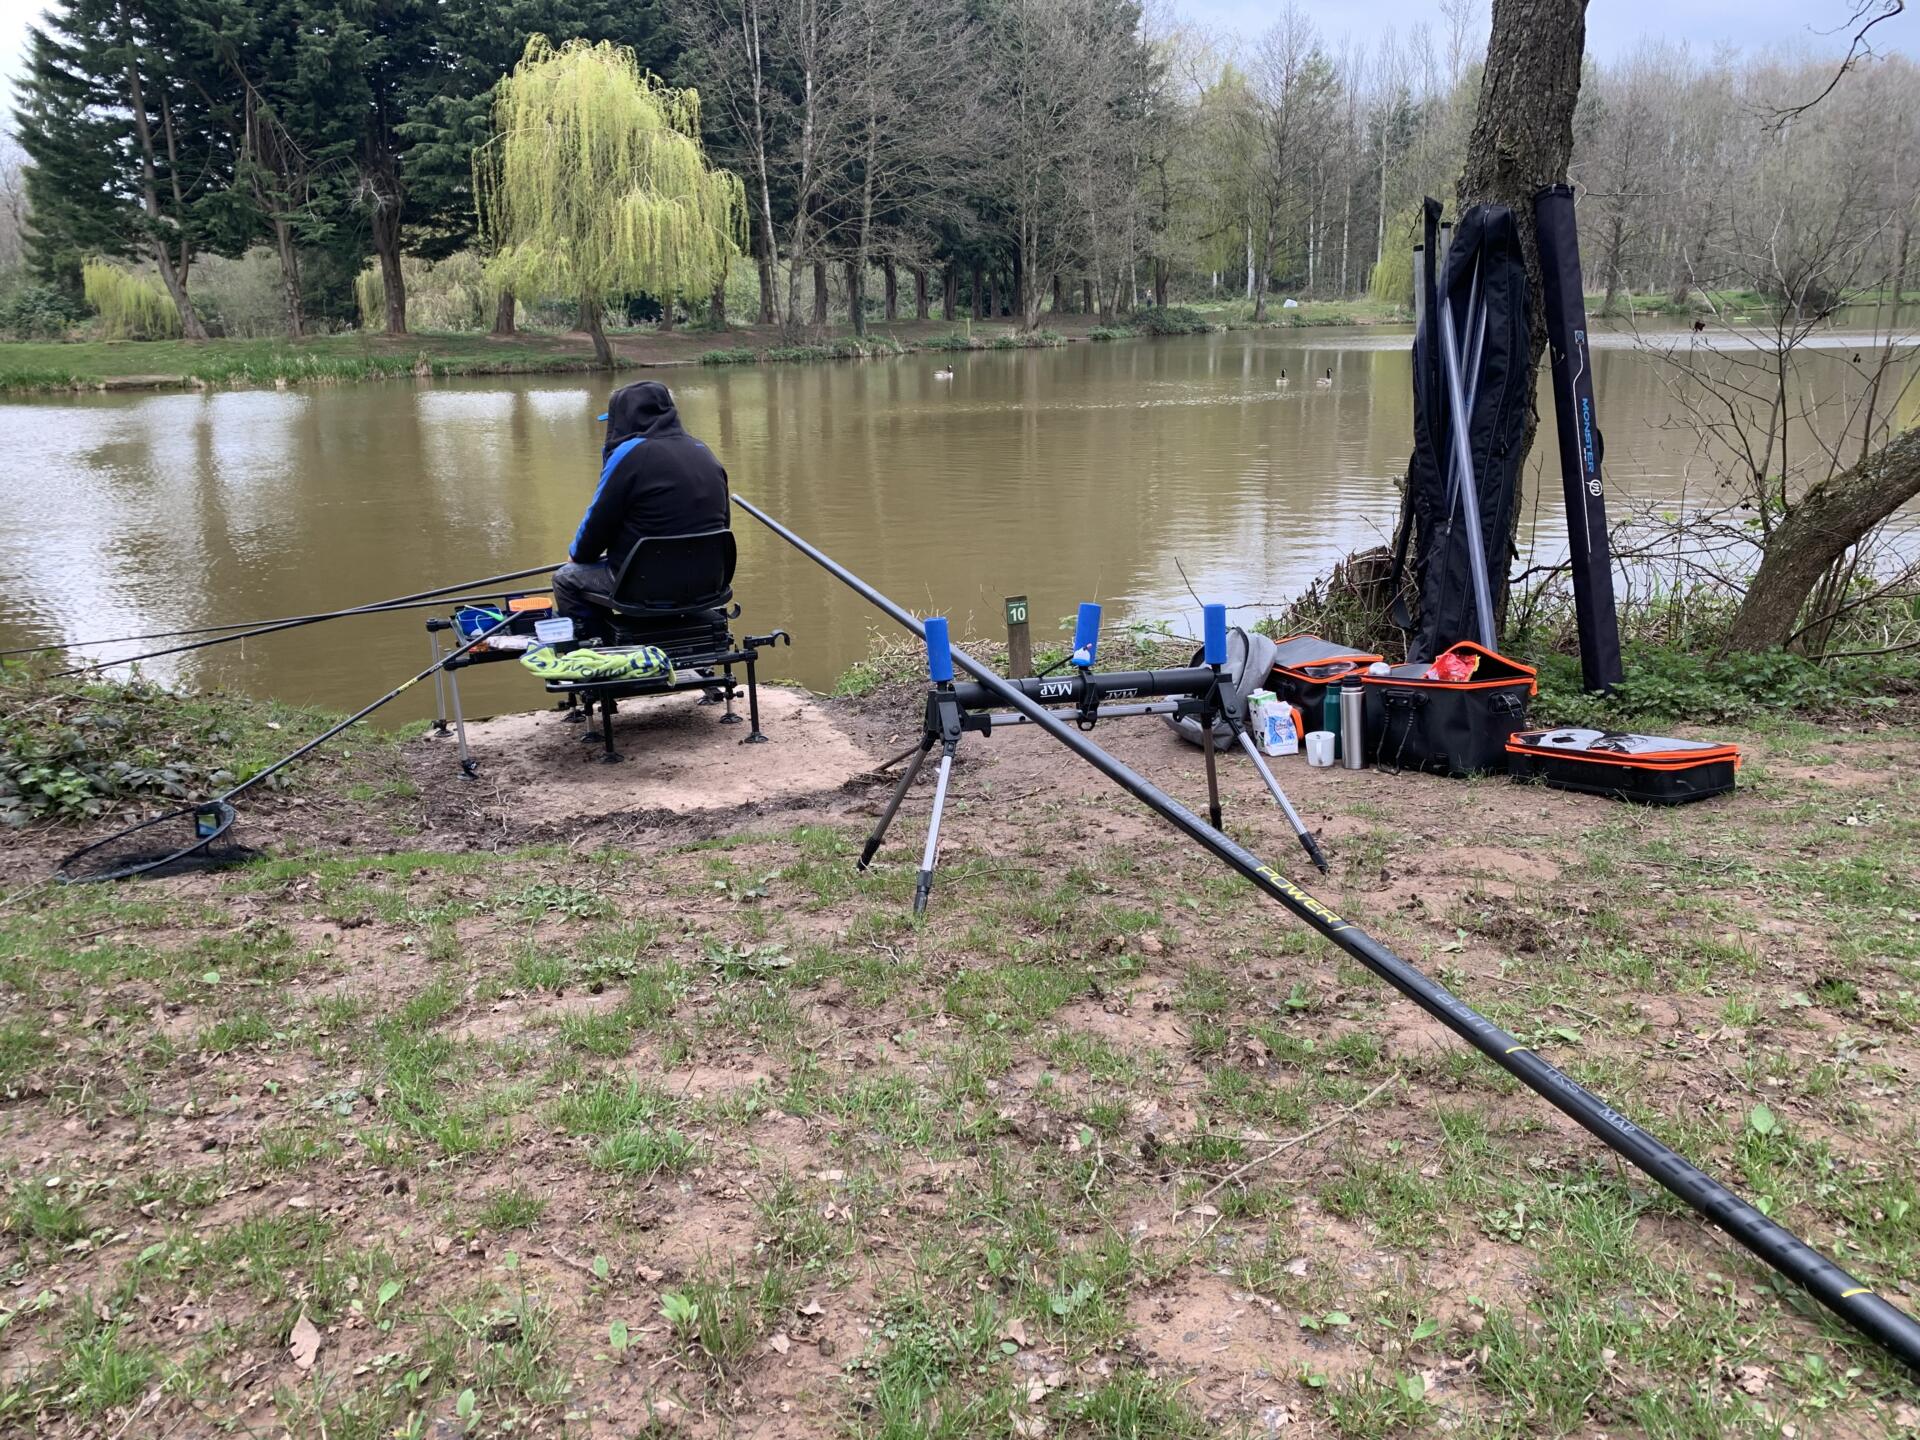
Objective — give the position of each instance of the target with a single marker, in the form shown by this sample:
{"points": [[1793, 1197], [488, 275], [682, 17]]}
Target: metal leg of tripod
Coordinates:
{"points": [[1213, 769], [924, 886], [907, 777], [1279, 796]]}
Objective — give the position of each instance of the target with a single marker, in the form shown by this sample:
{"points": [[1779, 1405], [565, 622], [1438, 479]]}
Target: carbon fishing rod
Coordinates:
{"points": [[247, 629], [1880, 1321]]}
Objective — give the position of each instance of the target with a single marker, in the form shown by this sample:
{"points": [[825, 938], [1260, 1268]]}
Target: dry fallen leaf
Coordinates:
{"points": [[442, 1244], [779, 1343], [1751, 1378], [1036, 1391], [1906, 1417], [1028, 1427], [303, 1345], [1016, 1331], [649, 1274], [813, 1307]]}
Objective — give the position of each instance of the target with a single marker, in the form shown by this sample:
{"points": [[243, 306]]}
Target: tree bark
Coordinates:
{"points": [[386, 244], [1086, 296], [1522, 139], [920, 310], [892, 276], [765, 266], [1161, 276], [950, 293], [666, 314], [978, 292], [503, 315], [1832, 516], [819, 293], [717, 307], [993, 293], [596, 331], [1059, 298], [289, 255], [856, 297], [173, 276]]}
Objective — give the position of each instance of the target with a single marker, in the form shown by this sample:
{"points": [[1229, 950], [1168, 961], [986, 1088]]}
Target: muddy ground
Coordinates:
{"points": [[601, 1100]]}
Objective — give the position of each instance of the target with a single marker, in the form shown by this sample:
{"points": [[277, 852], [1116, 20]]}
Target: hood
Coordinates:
{"points": [[644, 408]]}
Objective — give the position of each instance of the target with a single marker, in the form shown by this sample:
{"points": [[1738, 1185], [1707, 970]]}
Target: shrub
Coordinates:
{"points": [[38, 312], [131, 307], [1172, 320], [734, 355]]}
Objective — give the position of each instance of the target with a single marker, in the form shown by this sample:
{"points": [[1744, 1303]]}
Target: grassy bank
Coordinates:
{"points": [[696, 1126], [335, 358]]}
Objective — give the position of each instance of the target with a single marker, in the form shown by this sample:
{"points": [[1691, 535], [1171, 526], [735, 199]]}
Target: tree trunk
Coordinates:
{"points": [[1266, 273], [1522, 139], [979, 291], [1832, 516], [950, 293], [1086, 296], [289, 255], [1161, 275], [920, 292], [503, 315], [993, 293], [1616, 241], [666, 314], [386, 244], [1900, 254], [717, 307], [765, 267], [1059, 297], [591, 323], [819, 293], [1019, 297], [892, 275], [856, 297]]}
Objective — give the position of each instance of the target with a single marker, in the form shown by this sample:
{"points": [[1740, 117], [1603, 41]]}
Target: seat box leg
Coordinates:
{"points": [[755, 736], [727, 690], [609, 756]]}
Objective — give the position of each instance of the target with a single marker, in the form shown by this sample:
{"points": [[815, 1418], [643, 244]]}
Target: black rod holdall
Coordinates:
{"points": [[1417, 720], [1652, 769]]}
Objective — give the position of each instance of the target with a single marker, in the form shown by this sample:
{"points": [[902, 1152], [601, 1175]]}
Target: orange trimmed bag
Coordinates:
{"points": [[1652, 769], [1304, 666], [1451, 727]]}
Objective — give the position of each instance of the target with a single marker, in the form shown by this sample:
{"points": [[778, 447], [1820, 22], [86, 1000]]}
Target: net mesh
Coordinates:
{"points": [[194, 837]]}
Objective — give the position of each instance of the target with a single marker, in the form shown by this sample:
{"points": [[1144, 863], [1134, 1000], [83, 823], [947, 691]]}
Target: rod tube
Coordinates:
{"points": [[248, 628], [1856, 1304]]}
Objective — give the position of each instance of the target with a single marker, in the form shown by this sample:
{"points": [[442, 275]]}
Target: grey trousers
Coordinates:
{"points": [[581, 592]]}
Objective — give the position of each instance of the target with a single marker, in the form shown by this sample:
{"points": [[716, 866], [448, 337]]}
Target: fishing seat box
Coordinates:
{"points": [[1651, 769], [1448, 727], [1305, 667]]}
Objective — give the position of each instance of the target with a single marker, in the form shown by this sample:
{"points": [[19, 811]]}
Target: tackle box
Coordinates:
{"points": [[1652, 769], [1304, 666], [1451, 727]]}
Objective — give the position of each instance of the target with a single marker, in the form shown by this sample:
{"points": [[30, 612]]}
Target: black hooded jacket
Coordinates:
{"points": [[667, 483]]}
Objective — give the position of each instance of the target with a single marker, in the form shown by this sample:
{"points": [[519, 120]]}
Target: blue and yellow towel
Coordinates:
{"points": [[636, 662]]}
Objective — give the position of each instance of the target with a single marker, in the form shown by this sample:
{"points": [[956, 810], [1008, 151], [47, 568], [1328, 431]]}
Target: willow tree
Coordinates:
{"points": [[595, 184]]}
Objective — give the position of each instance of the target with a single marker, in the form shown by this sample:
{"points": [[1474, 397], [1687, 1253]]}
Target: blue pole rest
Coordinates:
{"points": [[939, 651], [1214, 633], [1086, 635]]}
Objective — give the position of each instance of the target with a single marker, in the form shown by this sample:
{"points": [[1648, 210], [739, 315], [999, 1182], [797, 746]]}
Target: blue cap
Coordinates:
{"points": [[1215, 632], [939, 650], [601, 416]]}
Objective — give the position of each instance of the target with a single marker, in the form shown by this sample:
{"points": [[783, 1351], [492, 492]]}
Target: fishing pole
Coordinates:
{"points": [[261, 627], [213, 818], [1880, 1321]]}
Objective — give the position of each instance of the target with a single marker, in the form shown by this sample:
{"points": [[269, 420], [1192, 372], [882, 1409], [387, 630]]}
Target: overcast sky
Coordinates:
{"points": [[1613, 26]]}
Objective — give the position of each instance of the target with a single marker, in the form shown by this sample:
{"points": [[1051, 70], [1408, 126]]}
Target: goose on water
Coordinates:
{"points": [[944, 374], [1325, 382], [1283, 381]]}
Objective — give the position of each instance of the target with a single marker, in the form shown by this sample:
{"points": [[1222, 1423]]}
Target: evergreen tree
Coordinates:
{"points": [[131, 149]]}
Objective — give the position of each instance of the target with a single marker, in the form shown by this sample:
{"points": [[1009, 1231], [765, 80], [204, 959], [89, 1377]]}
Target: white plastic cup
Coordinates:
{"points": [[1320, 748]]}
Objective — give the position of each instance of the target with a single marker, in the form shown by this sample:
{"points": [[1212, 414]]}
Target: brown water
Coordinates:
{"points": [[1090, 472]]}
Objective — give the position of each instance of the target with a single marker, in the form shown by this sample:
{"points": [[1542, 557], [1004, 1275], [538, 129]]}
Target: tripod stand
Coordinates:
{"points": [[1202, 691]]}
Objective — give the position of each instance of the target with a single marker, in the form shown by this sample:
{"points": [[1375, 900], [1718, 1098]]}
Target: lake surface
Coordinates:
{"points": [[1096, 471]]}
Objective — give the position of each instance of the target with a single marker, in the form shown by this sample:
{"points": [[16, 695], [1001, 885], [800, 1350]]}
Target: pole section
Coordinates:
{"points": [[1880, 1321]]}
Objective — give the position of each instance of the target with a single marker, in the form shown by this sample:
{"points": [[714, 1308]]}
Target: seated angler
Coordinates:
{"points": [[655, 480]]}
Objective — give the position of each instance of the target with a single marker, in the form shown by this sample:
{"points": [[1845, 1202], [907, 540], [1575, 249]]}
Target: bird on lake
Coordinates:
{"points": [[1283, 381], [1325, 382], [944, 374]]}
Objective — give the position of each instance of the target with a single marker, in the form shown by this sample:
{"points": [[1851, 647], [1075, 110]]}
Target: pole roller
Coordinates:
{"points": [[1853, 1302]]}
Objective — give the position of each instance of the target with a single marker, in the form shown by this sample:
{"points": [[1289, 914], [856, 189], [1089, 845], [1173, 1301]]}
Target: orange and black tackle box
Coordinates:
{"points": [[1652, 769]]}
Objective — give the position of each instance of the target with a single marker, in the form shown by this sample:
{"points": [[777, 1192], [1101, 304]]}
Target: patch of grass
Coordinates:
{"points": [[51, 1214], [512, 1209], [102, 1369], [720, 1317], [645, 1152], [1136, 1406]]}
